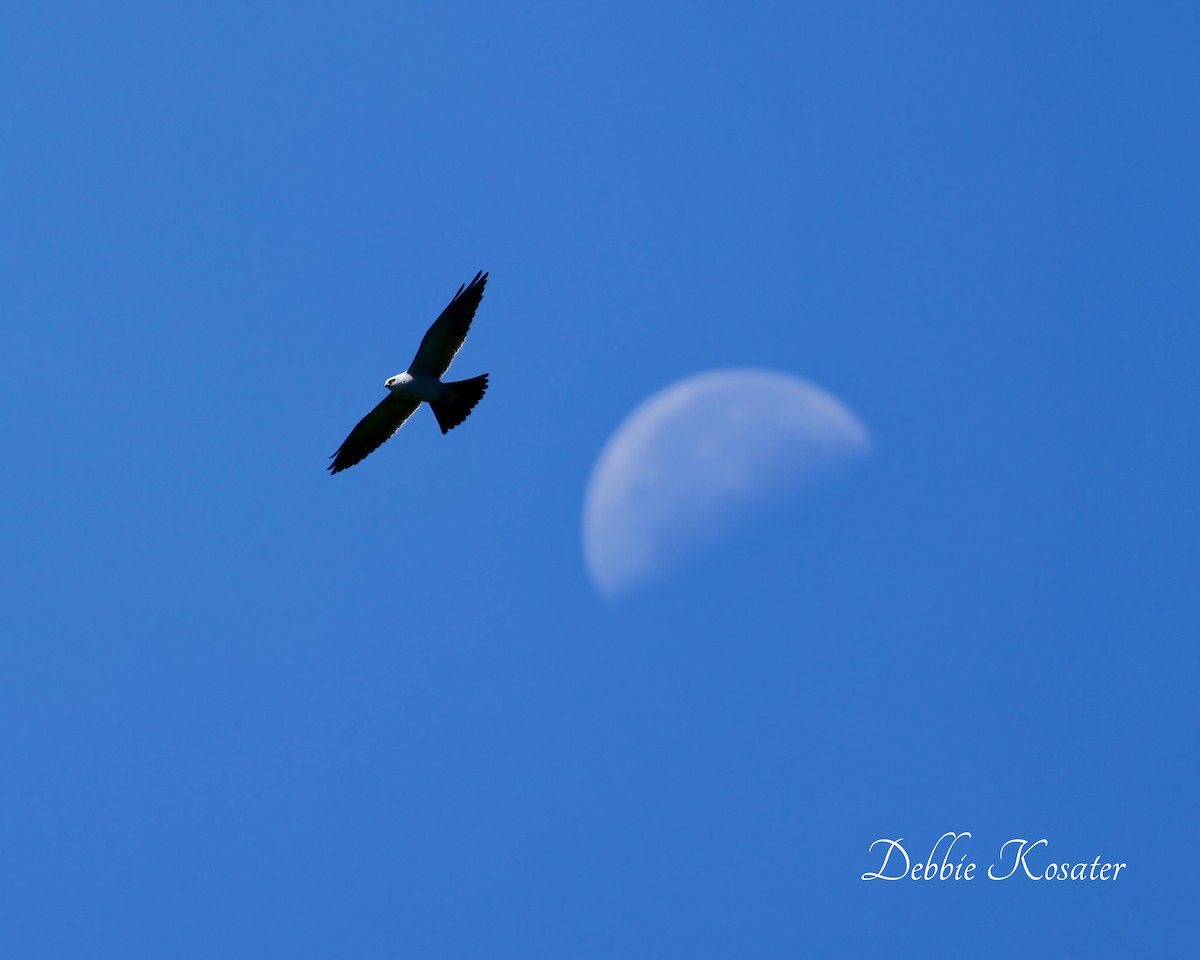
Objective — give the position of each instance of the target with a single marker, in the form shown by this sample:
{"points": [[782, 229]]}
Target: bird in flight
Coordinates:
{"points": [[451, 402]]}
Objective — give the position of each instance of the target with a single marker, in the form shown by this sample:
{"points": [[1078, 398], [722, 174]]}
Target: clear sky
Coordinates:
{"points": [[250, 710]]}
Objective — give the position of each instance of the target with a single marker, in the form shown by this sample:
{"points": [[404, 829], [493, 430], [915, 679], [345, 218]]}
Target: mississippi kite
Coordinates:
{"points": [[450, 402]]}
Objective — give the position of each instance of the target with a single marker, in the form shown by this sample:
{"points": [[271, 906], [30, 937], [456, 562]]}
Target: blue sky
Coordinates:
{"points": [[247, 709]]}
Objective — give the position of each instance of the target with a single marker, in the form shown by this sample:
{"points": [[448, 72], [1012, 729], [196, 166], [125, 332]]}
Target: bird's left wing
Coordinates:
{"points": [[372, 430], [443, 340]]}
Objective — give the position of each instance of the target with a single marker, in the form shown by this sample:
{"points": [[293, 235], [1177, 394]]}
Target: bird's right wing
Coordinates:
{"points": [[443, 340], [372, 430]]}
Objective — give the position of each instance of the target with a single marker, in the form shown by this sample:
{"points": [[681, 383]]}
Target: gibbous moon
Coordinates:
{"points": [[701, 458]]}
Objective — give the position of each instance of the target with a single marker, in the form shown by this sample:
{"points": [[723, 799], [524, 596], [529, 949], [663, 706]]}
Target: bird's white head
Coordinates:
{"points": [[398, 380]]}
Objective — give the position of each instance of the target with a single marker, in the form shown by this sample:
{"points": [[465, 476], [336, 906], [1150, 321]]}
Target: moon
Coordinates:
{"points": [[701, 458]]}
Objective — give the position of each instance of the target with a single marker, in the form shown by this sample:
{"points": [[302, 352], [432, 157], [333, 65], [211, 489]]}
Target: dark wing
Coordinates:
{"points": [[443, 339], [377, 426]]}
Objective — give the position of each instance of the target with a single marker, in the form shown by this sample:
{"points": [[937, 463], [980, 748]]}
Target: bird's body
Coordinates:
{"points": [[451, 402], [419, 388]]}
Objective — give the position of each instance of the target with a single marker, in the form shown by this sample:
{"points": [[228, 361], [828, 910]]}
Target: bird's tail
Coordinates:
{"points": [[460, 400]]}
